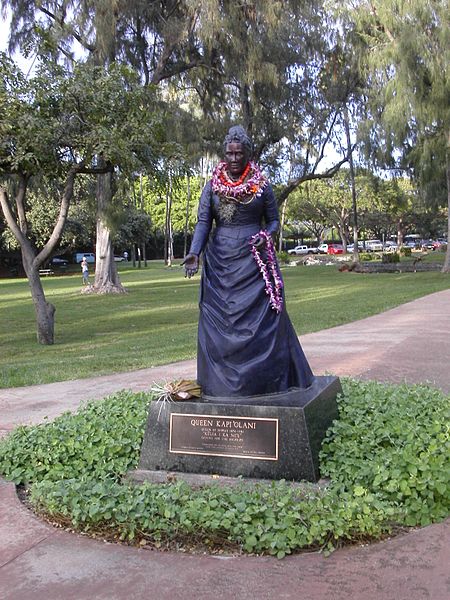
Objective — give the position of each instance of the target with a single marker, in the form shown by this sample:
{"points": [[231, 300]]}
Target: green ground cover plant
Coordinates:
{"points": [[156, 323], [387, 459]]}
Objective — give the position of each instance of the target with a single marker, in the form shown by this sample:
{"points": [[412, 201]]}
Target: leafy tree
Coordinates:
{"points": [[160, 39], [390, 213], [43, 204], [135, 229], [407, 56], [55, 126], [172, 200], [154, 202], [255, 62], [327, 203], [269, 57]]}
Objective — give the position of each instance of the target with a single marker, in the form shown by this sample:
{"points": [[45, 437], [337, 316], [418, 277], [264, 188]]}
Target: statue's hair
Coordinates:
{"points": [[238, 134]]}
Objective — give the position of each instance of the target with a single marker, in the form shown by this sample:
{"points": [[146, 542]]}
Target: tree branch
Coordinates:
{"points": [[325, 142], [162, 63], [20, 203], [292, 185], [373, 10], [49, 247], [166, 73], [71, 30], [108, 168], [10, 219]]}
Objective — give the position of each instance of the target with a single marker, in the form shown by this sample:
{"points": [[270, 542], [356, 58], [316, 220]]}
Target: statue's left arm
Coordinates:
{"points": [[271, 215]]}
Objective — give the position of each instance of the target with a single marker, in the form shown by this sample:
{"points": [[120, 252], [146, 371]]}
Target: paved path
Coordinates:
{"points": [[409, 343]]}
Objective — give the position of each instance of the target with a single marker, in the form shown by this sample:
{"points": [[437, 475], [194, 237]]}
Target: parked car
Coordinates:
{"points": [[390, 246], [118, 258], [374, 246], [58, 261], [322, 248], [438, 243], [427, 245], [299, 250], [335, 249], [90, 257], [351, 246]]}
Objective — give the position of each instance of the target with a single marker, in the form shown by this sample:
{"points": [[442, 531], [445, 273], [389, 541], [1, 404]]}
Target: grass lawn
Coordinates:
{"points": [[156, 322]]}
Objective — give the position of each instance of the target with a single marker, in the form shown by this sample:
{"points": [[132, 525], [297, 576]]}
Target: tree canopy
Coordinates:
{"points": [[407, 57]]}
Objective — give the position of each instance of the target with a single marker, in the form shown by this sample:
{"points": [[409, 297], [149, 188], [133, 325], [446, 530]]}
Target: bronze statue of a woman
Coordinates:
{"points": [[247, 345]]}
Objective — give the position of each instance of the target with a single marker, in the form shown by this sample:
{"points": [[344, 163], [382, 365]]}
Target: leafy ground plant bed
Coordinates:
{"points": [[387, 459]]}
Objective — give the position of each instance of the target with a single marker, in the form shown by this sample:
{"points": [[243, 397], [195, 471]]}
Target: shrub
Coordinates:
{"points": [[393, 441], [365, 256], [387, 458], [283, 257], [390, 257], [443, 248], [405, 251], [102, 439]]}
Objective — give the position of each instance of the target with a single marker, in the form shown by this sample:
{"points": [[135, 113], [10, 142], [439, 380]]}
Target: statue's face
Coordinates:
{"points": [[236, 158]]}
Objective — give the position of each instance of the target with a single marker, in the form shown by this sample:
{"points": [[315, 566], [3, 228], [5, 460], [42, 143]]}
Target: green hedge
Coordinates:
{"points": [[390, 257], [387, 459]]}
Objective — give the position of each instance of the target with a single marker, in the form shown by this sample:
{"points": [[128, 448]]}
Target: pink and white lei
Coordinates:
{"points": [[269, 271], [224, 186]]}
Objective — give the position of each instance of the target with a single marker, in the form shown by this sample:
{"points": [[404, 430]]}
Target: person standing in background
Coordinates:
{"points": [[85, 271]]}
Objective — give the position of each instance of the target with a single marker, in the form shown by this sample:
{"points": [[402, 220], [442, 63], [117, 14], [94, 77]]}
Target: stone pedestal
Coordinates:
{"points": [[270, 437]]}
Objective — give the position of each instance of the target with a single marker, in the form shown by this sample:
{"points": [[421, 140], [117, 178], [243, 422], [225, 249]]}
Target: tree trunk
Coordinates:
{"points": [[353, 186], [186, 222], [106, 277], [283, 220], [343, 227], [343, 234], [446, 267], [246, 107], [144, 254], [45, 312], [168, 234], [400, 232]]}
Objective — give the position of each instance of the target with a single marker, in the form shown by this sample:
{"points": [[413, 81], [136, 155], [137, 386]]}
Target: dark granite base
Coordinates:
{"points": [[200, 480], [301, 416]]}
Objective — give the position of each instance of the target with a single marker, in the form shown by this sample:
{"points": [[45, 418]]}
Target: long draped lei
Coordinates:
{"points": [[231, 193]]}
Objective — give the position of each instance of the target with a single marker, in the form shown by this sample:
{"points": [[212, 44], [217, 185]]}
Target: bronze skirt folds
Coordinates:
{"points": [[245, 348]]}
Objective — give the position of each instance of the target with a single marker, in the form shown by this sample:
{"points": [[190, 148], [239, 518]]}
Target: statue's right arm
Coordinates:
{"points": [[204, 221], [201, 233]]}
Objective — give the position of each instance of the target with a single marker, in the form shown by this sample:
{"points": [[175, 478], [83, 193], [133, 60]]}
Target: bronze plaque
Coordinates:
{"points": [[216, 435]]}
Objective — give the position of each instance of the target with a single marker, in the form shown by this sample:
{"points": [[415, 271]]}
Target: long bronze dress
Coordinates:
{"points": [[245, 347]]}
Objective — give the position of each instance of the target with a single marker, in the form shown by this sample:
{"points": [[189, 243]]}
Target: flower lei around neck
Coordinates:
{"points": [[250, 184], [269, 270]]}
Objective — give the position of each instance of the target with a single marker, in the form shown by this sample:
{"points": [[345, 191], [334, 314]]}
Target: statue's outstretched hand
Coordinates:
{"points": [[190, 263]]}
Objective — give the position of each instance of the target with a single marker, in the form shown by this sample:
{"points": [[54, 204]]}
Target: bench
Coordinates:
{"points": [[46, 272]]}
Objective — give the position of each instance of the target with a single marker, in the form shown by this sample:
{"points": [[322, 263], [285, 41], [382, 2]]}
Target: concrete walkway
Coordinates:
{"points": [[410, 343]]}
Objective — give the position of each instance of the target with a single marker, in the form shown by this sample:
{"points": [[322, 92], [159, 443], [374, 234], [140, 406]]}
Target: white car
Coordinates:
{"points": [[374, 246], [57, 260], [299, 250], [90, 257], [390, 247], [351, 246]]}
